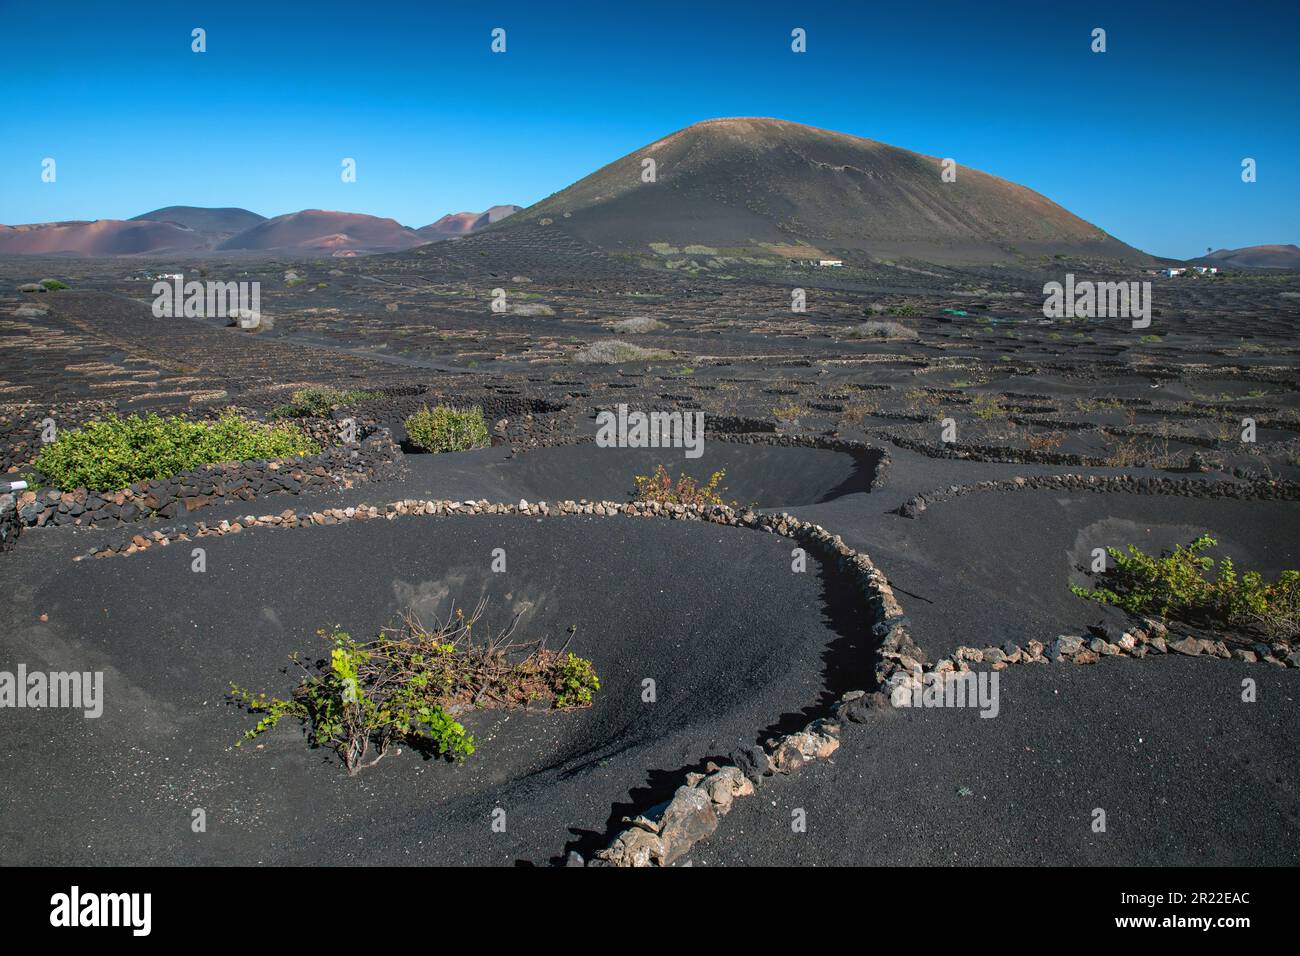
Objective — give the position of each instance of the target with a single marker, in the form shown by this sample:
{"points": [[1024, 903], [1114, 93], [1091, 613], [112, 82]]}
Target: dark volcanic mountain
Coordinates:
{"points": [[218, 224], [1255, 257], [463, 223], [322, 232], [745, 182]]}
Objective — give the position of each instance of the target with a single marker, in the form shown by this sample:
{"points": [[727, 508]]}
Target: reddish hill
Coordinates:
{"points": [[1255, 257], [463, 223], [452, 224], [320, 231], [102, 237]]}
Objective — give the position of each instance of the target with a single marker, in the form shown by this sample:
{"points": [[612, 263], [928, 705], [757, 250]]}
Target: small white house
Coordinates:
{"points": [[1207, 270], [1171, 272], [830, 263]]}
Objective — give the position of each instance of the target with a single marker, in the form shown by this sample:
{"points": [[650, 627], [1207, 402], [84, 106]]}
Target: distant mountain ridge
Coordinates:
{"points": [[102, 237], [764, 185], [199, 229]]}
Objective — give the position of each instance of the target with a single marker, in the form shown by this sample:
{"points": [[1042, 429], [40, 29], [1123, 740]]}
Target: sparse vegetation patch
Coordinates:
{"points": [[686, 490], [636, 325], [1175, 585], [788, 411], [531, 308], [882, 330], [612, 352], [319, 402], [362, 699], [988, 407]]}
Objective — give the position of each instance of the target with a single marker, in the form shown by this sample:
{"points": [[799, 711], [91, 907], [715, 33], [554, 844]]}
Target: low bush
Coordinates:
{"points": [[1175, 586], [1099, 404], [447, 429], [575, 682], [404, 686], [788, 411], [882, 330], [319, 402], [52, 285], [862, 408], [531, 308], [110, 453], [988, 407], [685, 490], [612, 352], [636, 325], [1044, 441]]}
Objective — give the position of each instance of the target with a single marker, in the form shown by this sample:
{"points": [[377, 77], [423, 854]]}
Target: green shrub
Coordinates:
{"points": [[110, 453], [685, 490], [1175, 586], [401, 688], [367, 695], [447, 429], [988, 407], [576, 681], [52, 285], [319, 402]]}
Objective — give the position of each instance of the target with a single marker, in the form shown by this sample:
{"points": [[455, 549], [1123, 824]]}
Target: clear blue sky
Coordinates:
{"points": [[1145, 140]]}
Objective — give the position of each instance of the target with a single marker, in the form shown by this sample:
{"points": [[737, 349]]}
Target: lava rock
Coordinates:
{"points": [[753, 762]]}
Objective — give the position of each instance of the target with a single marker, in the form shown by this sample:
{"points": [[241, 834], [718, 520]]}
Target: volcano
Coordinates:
{"points": [[751, 182]]}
